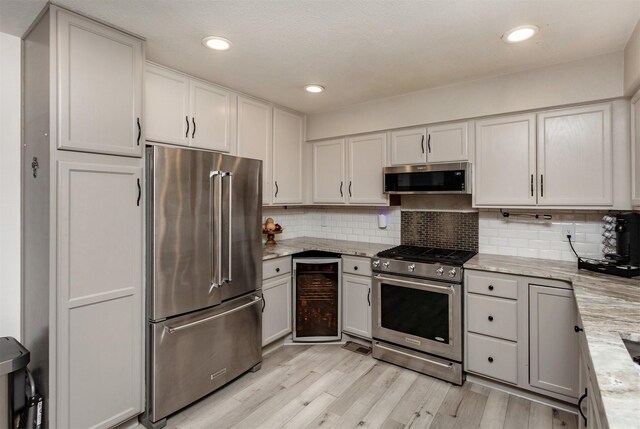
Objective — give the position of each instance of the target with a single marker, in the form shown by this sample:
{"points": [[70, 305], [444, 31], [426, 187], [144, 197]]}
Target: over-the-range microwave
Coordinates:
{"points": [[449, 178]]}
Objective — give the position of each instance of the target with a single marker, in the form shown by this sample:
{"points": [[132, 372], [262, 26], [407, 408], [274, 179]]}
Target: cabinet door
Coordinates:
{"points": [[505, 161], [254, 138], [210, 116], [100, 313], [276, 316], [409, 146], [447, 143], [575, 157], [635, 151], [356, 308], [287, 157], [583, 391], [366, 157], [166, 106], [553, 343], [99, 87], [329, 172]]}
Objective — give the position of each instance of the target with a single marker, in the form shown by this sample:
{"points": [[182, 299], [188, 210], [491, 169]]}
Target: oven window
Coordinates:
{"points": [[433, 181], [415, 312]]}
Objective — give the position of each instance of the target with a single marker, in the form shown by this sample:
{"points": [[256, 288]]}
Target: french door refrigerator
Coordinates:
{"points": [[204, 273]]}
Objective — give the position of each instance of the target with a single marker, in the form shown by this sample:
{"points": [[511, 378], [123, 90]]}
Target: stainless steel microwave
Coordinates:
{"points": [[449, 178]]}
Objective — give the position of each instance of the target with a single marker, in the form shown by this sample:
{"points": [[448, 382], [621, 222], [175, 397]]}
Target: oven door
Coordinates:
{"points": [[420, 314]]}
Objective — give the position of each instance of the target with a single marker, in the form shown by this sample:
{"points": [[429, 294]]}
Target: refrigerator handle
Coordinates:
{"points": [[227, 279], [216, 228]]}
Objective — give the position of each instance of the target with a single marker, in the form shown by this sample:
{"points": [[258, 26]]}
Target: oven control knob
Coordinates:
{"points": [[385, 264], [440, 271], [452, 272], [375, 263], [411, 268]]}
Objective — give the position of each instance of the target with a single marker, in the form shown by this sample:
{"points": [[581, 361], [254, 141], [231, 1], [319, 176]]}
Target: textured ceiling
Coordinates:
{"points": [[359, 50]]}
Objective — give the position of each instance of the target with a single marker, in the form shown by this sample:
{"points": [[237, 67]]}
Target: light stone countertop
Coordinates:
{"points": [[609, 308], [295, 245]]}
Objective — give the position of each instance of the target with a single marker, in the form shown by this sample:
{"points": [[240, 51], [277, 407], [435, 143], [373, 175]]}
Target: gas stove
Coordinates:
{"points": [[425, 262]]}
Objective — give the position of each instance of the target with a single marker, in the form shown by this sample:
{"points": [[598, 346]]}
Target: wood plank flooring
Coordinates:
{"points": [[326, 386]]}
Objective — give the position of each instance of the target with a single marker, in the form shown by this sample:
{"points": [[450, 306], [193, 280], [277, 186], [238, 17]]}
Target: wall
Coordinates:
{"points": [[632, 62], [590, 79], [9, 185]]}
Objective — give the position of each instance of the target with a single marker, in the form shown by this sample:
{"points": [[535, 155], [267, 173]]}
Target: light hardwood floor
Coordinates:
{"points": [[330, 387]]}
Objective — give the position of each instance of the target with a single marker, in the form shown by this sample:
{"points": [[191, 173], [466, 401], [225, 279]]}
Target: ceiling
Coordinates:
{"points": [[359, 50]]}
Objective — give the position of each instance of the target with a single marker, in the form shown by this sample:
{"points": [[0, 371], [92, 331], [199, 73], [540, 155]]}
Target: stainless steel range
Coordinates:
{"points": [[417, 309]]}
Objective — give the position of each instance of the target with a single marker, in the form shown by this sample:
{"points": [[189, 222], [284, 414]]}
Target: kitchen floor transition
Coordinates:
{"points": [[330, 387]]}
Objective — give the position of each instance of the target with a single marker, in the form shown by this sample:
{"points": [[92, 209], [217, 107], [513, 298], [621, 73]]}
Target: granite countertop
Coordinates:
{"points": [[609, 308], [295, 245]]}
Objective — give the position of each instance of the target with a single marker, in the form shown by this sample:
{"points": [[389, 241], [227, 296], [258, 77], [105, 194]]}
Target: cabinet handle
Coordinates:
{"points": [[582, 398], [140, 195], [422, 143], [193, 134], [139, 131], [341, 194], [277, 190], [490, 318], [490, 287], [490, 359], [577, 328], [355, 268], [369, 297], [350, 188], [264, 303], [429, 143], [542, 185], [277, 270], [532, 185]]}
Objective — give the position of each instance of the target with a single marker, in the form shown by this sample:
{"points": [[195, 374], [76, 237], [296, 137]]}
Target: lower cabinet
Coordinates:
{"points": [[356, 305], [276, 292], [589, 408]]}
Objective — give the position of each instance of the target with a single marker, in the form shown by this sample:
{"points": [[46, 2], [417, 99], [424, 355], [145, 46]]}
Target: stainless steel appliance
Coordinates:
{"points": [[417, 309], [204, 272], [448, 178]]}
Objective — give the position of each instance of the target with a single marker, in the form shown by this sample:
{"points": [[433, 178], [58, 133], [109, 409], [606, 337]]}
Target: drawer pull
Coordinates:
{"points": [[355, 268], [490, 318], [490, 287], [490, 359], [277, 270]]}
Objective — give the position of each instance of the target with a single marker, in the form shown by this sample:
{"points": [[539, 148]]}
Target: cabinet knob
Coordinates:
{"points": [[490, 359], [490, 287], [490, 318], [577, 328], [277, 270], [355, 268]]}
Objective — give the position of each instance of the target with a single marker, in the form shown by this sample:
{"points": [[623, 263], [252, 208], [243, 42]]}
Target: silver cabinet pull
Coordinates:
{"points": [[172, 329]]}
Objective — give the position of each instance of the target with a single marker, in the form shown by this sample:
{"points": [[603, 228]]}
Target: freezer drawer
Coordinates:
{"points": [[190, 356]]}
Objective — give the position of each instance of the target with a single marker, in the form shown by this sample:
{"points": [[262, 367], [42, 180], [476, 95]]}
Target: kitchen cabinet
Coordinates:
{"points": [[186, 111], [575, 157], [276, 292], [590, 410], [350, 172], [255, 138], [98, 87], [288, 136], [436, 143], [553, 343], [356, 296], [635, 151]]}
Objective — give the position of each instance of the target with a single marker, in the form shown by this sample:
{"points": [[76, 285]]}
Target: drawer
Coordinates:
{"points": [[492, 357], [492, 284], [497, 317], [276, 267], [356, 265]]}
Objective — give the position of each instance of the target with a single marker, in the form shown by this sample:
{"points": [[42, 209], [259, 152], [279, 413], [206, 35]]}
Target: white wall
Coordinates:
{"points": [[590, 79], [632, 62], [9, 185]]}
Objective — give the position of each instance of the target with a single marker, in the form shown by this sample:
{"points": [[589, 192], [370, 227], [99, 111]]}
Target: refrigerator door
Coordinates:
{"points": [[181, 237], [240, 227]]}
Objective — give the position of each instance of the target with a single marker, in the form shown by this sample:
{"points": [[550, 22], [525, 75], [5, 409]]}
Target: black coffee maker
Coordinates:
{"points": [[627, 239]]}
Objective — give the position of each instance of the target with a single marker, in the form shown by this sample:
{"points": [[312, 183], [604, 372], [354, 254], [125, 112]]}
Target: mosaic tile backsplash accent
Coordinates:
{"points": [[451, 230]]}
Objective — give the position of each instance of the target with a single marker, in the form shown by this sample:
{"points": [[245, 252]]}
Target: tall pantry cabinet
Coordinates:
{"points": [[83, 207]]}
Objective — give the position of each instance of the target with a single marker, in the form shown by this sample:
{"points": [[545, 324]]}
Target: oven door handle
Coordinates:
{"points": [[429, 361], [444, 288]]}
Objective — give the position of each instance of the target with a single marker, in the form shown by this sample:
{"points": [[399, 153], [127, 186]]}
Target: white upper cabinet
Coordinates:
{"points": [[185, 111], [447, 143], [166, 107], [288, 129], [254, 138], [505, 166], [99, 82], [366, 158], [575, 157], [329, 172], [409, 146]]}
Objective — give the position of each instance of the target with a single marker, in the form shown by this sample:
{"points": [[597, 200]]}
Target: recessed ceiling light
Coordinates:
{"points": [[217, 43], [520, 34], [314, 88]]}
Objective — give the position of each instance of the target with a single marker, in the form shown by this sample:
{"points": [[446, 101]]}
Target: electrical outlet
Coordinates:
{"points": [[569, 229]]}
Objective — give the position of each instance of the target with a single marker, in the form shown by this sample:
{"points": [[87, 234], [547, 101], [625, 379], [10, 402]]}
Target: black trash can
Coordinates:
{"points": [[14, 358]]}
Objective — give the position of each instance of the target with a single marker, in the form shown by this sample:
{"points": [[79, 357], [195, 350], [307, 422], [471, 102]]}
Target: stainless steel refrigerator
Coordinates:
{"points": [[204, 273]]}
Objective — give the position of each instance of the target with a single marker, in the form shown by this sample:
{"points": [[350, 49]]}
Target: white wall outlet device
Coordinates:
{"points": [[382, 221], [569, 229]]}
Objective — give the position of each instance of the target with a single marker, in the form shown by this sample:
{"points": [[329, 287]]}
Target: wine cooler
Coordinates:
{"points": [[317, 305]]}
